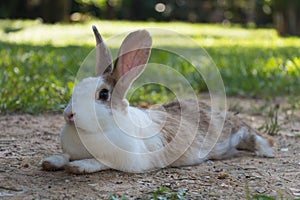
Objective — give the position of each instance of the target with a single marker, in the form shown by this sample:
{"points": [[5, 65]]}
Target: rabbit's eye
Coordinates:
{"points": [[103, 95]]}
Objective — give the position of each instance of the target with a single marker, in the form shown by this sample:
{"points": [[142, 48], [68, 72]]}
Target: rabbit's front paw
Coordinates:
{"points": [[85, 166], [55, 162]]}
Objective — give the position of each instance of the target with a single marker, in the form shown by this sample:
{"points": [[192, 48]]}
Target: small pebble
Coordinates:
{"points": [[93, 184], [295, 191], [223, 185], [284, 149], [26, 165], [223, 176], [261, 190]]}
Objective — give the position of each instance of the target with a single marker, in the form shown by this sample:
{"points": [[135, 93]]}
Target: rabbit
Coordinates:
{"points": [[103, 131]]}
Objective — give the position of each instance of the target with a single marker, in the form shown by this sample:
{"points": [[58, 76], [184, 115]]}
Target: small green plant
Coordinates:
{"points": [[293, 106], [247, 191], [262, 197], [259, 109], [162, 193], [271, 126], [117, 197], [235, 107], [256, 196], [165, 193]]}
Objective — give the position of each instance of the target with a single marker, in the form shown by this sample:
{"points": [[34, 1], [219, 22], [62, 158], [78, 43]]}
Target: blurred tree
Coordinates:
{"points": [[7, 8], [56, 10], [263, 13], [108, 8], [287, 16], [50, 10], [19, 9], [285, 13]]}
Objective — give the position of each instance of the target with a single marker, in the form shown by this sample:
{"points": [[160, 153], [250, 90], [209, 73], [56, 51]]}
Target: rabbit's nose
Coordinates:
{"points": [[69, 118]]}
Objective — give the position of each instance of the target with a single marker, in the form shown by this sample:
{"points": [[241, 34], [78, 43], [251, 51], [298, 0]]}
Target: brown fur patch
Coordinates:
{"points": [[271, 141], [110, 80], [197, 115]]}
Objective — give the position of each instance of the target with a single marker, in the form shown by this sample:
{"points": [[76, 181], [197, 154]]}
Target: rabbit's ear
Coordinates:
{"points": [[104, 59], [132, 59]]}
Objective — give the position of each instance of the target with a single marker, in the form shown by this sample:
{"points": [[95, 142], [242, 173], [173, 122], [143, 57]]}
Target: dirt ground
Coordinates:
{"points": [[26, 139]]}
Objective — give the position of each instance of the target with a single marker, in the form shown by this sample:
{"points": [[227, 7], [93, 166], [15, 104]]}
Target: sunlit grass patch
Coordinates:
{"points": [[39, 62]]}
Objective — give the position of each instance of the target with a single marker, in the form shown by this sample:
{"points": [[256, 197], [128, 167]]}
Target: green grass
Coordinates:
{"points": [[38, 63], [162, 193], [166, 193]]}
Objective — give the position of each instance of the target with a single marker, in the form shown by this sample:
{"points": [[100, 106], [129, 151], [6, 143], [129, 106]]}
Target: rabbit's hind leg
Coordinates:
{"points": [[85, 166], [247, 139], [55, 162], [265, 147]]}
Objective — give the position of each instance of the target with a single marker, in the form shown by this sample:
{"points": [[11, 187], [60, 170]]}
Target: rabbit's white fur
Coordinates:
{"points": [[101, 134]]}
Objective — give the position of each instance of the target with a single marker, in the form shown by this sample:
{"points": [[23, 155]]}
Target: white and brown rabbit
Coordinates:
{"points": [[103, 131]]}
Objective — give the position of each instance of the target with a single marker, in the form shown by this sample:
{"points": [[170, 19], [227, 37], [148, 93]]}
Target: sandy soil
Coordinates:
{"points": [[26, 139]]}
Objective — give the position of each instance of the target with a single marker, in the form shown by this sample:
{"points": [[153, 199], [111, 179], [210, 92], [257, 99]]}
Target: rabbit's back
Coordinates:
{"points": [[212, 132], [200, 114]]}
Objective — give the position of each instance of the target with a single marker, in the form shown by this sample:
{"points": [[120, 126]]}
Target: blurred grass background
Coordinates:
{"points": [[38, 62]]}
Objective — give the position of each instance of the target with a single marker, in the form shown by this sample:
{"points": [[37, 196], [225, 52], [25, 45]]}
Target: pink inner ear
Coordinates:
{"points": [[134, 59]]}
